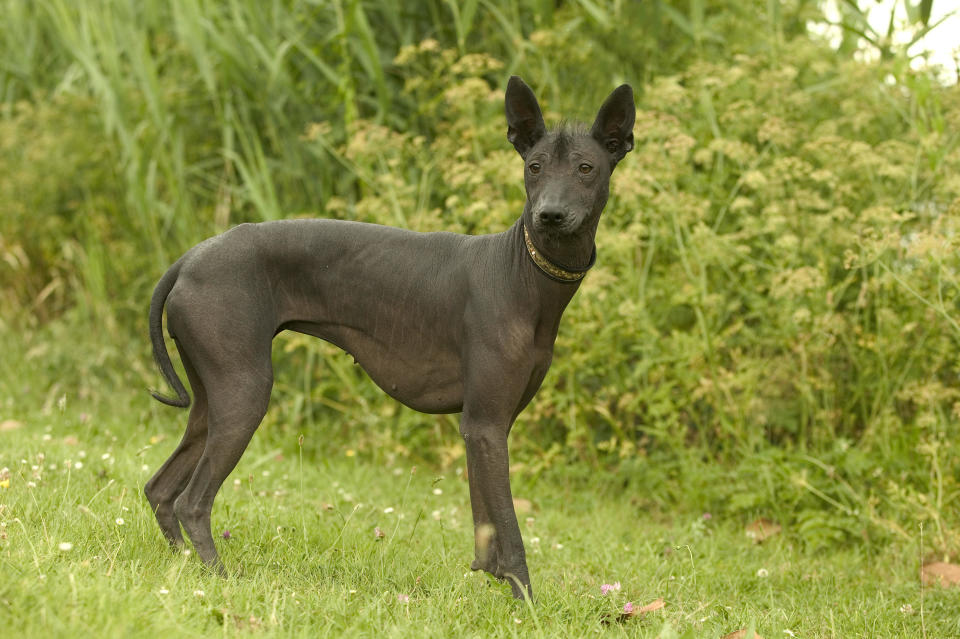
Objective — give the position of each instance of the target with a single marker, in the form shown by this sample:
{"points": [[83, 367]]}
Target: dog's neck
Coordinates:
{"points": [[558, 272], [560, 257]]}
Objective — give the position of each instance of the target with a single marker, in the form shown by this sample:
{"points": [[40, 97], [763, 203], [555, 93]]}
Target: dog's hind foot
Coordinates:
{"points": [[169, 525]]}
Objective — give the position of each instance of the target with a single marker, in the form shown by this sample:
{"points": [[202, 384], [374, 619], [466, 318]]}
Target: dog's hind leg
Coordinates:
{"points": [[237, 398], [170, 480], [486, 547]]}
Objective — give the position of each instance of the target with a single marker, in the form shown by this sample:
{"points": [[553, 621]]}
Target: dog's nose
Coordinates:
{"points": [[551, 217]]}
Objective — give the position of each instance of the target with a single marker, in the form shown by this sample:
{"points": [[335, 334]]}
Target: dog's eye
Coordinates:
{"points": [[534, 167], [585, 168]]}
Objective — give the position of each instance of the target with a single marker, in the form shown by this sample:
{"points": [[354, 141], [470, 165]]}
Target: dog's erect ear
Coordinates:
{"points": [[524, 120], [613, 128]]}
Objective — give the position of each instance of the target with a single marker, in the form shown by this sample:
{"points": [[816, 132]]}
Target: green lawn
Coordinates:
{"points": [[81, 553]]}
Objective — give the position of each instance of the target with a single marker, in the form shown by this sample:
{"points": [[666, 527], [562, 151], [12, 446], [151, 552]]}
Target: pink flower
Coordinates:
{"points": [[403, 598], [628, 608], [226, 534], [606, 589]]}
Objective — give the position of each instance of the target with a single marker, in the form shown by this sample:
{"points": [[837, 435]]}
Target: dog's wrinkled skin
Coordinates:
{"points": [[442, 322]]}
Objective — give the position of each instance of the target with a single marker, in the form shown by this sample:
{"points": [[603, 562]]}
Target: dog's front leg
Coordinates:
{"points": [[499, 545], [486, 549]]}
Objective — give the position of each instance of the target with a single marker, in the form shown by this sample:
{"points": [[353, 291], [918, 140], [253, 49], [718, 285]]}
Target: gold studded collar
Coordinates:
{"points": [[551, 270]]}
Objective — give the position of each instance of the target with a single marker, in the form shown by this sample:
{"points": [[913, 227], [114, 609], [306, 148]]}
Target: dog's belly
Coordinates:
{"points": [[426, 378]]}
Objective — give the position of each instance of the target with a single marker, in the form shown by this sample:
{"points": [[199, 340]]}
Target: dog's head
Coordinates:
{"points": [[568, 169]]}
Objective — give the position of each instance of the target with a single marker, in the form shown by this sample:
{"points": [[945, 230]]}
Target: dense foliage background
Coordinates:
{"points": [[772, 322]]}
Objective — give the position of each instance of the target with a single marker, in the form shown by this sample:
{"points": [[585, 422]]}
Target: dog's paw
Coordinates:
{"points": [[521, 591], [486, 567]]}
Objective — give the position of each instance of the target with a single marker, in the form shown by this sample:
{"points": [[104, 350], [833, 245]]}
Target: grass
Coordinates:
{"points": [[307, 560]]}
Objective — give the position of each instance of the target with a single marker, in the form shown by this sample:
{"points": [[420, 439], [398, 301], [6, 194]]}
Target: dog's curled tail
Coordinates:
{"points": [[160, 354]]}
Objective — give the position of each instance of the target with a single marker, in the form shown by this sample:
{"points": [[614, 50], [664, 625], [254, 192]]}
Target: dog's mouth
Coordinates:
{"points": [[556, 229]]}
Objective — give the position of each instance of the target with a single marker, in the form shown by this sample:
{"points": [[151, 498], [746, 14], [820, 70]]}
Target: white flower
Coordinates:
{"points": [[437, 491], [198, 594], [762, 573], [164, 591], [388, 510], [65, 546], [120, 521]]}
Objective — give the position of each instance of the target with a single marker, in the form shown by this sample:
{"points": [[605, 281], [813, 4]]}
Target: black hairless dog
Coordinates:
{"points": [[442, 322]]}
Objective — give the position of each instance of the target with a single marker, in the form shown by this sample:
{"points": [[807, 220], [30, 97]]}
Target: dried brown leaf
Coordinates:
{"points": [[741, 634], [762, 529], [656, 604], [10, 424], [630, 611], [940, 573], [522, 506]]}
